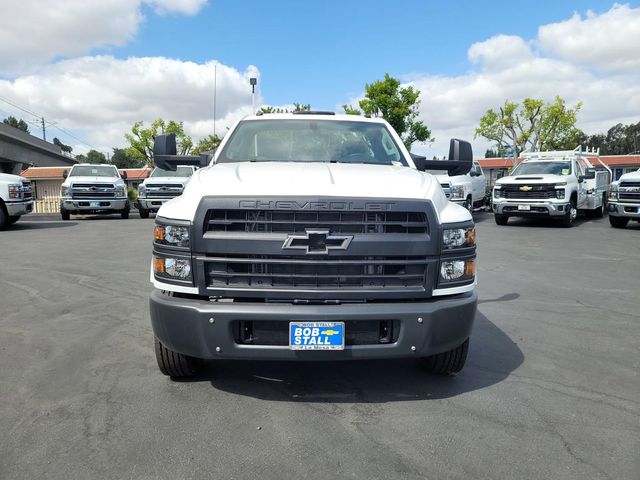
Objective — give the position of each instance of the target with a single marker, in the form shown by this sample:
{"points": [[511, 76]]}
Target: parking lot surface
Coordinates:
{"points": [[550, 390]]}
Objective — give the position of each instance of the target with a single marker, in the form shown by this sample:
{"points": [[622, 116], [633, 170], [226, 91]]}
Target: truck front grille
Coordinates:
{"points": [[538, 191], [27, 191], [630, 191], [299, 273], [287, 221], [89, 190], [164, 190]]}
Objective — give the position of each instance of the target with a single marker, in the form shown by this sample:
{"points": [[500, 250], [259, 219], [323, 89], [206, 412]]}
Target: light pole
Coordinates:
{"points": [[253, 82]]}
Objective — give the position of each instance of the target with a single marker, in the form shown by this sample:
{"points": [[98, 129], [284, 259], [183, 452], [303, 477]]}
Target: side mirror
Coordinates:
{"points": [[65, 174], [165, 154], [460, 159], [581, 179], [590, 173], [123, 175]]}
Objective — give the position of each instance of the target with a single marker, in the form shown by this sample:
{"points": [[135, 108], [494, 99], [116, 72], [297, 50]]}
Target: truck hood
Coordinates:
{"points": [[457, 180], [261, 179], [164, 180], [6, 177], [532, 179], [113, 180], [633, 176]]}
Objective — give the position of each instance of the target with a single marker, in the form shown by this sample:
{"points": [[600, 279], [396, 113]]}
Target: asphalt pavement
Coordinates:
{"points": [[550, 391]]}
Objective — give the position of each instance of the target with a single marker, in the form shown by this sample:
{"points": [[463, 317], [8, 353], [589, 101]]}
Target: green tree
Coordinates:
{"points": [[490, 153], [121, 159], [533, 125], [398, 106], [301, 107], [207, 144], [15, 123], [141, 139], [270, 109], [94, 156], [63, 147], [349, 110]]}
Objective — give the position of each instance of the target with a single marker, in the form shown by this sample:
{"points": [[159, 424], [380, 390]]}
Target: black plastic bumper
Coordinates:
{"points": [[426, 328]]}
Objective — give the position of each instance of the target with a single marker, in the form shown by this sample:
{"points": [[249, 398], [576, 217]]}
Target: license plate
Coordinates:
{"points": [[94, 204], [316, 335], [526, 208]]}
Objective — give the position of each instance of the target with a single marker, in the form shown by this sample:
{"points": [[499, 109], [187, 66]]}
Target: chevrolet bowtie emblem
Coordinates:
{"points": [[526, 188], [317, 242]]}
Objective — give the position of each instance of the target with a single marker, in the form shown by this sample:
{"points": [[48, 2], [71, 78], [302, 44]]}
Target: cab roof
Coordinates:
{"points": [[328, 116]]}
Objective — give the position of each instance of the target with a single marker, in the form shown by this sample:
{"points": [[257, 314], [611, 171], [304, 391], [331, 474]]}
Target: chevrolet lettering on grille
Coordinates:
{"points": [[317, 242]]}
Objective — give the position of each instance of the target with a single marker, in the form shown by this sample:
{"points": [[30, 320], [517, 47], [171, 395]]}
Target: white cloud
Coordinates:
{"points": [[508, 67], [33, 32], [102, 96], [606, 42]]}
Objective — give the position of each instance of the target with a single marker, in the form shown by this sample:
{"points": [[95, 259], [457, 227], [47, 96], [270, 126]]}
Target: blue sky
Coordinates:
{"points": [[324, 52], [95, 68]]}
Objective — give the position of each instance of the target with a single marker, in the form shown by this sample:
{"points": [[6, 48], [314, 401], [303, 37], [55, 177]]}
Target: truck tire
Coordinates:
{"points": [[571, 215], [144, 213], [65, 214], [12, 220], [4, 218], [501, 219], [468, 204], [618, 222], [447, 363], [174, 364], [124, 214]]}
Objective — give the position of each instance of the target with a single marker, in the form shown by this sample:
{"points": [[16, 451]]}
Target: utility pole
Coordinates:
{"points": [[215, 88], [44, 133]]}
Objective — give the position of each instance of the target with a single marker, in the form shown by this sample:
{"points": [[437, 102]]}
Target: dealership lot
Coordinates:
{"points": [[550, 390]]}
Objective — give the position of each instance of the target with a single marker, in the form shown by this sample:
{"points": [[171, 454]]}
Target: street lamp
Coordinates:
{"points": [[253, 82]]}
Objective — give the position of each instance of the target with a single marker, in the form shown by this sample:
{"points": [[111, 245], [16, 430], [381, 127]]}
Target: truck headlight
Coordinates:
{"points": [[613, 193], [120, 192], [173, 235], [65, 191], [462, 237], [560, 193], [172, 268], [456, 191], [497, 192], [457, 271], [142, 191], [15, 191]]}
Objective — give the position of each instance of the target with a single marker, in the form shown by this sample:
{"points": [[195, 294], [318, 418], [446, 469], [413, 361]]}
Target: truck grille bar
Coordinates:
{"points": [[293, 272], [339, 222], [534, 191]]}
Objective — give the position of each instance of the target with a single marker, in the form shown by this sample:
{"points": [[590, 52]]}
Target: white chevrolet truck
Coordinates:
{"points": [[624, 200], [467, 190], [312, 236], [90, 188], [160, 187], [16, 198], [555, 184]]}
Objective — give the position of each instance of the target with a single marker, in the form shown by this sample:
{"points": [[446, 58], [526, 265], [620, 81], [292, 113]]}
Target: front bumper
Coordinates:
{"points": [[16, 209], [90, 205], [536, 208], [426, 328], [623, 209], [151, 203]]}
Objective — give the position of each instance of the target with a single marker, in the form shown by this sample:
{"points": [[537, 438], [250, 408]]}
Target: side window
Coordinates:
{"points": [[478, 169], [578, 168], [389, 147]]}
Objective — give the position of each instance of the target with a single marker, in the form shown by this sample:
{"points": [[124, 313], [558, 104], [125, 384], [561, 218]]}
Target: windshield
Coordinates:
{"points": [[307, 140], [93, 171], [542, 168], [180, 172]]}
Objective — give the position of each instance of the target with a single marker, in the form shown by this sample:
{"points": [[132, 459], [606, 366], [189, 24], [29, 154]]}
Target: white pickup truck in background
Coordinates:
{"points": [[467, 190], [555, 184], [624, 200], [160, 187], [16, 198]]}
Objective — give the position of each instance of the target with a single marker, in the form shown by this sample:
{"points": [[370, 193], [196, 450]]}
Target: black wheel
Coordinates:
{"points": [[4, 219], [174, 364], [65, 214], [501, 219], [12, 220], [447, 363], [618, 222], [571, 215], [144, 213], [124, 214], [468, 204]]}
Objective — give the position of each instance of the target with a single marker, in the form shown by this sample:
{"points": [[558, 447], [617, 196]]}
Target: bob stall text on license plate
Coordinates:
{"points": [[316, 335]]}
